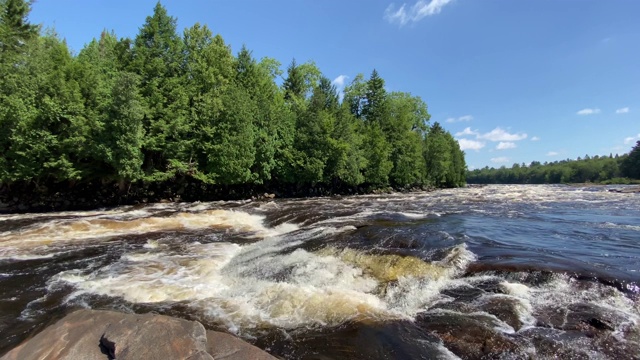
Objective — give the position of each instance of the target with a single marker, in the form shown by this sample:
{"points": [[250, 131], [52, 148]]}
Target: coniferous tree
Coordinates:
{"points": [[376, 115], [15, 30], [124, 132], [631, 165], [157, 56]]}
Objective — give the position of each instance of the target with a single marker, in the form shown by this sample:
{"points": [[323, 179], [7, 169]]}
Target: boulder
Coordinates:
{"points": [[228, 347], [94, 334]]}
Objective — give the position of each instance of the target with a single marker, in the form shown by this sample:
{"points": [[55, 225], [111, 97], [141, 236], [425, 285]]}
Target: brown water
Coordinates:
{"points": [[510, 272]]}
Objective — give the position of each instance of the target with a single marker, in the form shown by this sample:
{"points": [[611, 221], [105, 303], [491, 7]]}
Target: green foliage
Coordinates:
{"points": [[168, 106], [15, 30], [405, 129], [124, 134], [596, 169], [631, 165]]}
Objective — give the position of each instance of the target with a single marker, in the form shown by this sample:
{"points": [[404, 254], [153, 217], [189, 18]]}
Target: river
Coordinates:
{"points": [[509, 272]]}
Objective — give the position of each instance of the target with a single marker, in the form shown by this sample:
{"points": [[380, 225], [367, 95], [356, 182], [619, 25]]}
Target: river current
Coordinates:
{"points": [[505, 272]]}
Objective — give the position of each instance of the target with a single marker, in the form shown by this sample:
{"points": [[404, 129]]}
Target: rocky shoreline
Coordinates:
{"points": [[30, 197], [107, 335]]}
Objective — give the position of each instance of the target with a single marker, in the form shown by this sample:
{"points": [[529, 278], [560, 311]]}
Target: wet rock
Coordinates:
{"points": [[468, 336], [556, 344], [589, 318], [505, 309], [92, 334], [228, 347], [464, 293]]}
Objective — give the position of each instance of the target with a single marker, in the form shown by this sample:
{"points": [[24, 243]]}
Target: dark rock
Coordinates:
{"points": [[505, 309], [93, 334], [589, 318], [469, 336], [556, 344], [464, 293]]}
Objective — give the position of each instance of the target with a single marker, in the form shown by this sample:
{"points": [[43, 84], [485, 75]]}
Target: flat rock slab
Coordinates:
{"points": [[105, 335]]}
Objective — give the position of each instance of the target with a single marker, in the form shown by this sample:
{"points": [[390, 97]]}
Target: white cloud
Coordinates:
{"points": [[631, 139], [467, 131], [588, 111], [500, 160], [498, 134], [552, 153], [340, 80], [460, 119], [505, 145], [623, 110], [417, 12], [535, 138], [466, 144]]}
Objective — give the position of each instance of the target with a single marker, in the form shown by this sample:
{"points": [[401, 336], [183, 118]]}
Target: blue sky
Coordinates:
{"points": [[513, 80]]}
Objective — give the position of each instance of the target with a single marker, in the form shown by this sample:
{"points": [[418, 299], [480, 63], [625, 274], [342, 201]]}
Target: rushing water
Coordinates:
{"points": [[512, 272]]}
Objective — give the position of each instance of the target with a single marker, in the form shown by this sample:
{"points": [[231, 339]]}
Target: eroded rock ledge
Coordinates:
{"points": [[102, 335]]}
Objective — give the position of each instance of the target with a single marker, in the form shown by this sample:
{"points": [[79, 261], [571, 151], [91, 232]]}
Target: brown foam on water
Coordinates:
{"points": [[62, 232], [387, 268]]}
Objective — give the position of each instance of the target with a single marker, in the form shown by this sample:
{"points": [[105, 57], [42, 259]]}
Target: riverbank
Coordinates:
{"points": [[95, 334], [29, 197]]}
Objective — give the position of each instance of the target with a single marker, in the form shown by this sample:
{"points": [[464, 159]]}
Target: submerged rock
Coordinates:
{"points": [[94, 334]]}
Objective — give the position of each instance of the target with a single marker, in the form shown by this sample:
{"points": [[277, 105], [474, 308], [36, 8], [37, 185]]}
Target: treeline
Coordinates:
{"points": [[164, 107], [596, 169]]}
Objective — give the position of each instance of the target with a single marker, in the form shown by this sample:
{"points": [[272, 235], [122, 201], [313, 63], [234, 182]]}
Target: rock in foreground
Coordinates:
{"points": [[94, 334]]}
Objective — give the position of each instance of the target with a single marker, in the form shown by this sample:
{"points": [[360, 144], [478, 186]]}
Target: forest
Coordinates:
{"points": [[169, 107], [616, 169]]}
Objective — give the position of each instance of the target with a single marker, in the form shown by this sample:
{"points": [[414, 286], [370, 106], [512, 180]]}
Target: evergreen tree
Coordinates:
{"points": [[377, 147], [294, 84], [210, 73], [157, 56], [438, 156], [631, 165], [15, 29], [124, 131]]}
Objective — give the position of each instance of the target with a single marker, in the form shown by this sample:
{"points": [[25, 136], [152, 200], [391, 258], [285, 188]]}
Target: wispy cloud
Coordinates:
{"points": [[499, 134], [339, 83], [623, 110], [467, 131], [631, 139], [505, 145], [414, 13], [460, 119], [500, 160], [340, 80], [466, 144], [552, 153], [535, 138], [588, 111]]}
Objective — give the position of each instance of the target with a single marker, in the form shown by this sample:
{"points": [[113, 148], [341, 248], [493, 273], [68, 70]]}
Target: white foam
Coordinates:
{"points": [[516, 289], [263, 284]]}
